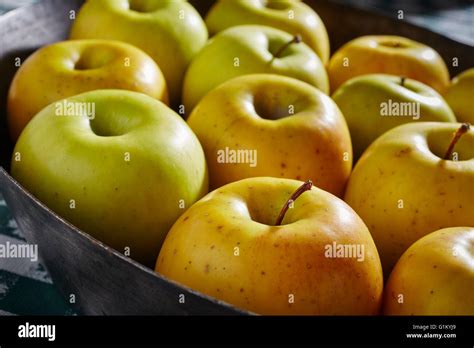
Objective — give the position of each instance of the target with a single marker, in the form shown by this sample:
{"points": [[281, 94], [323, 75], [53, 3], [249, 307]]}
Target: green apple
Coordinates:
{"points": [[170, 31], [271, 125], [386, 54], [251, 49], [292, 16], [414, 179], [373, 104], [460, 96], [434, 276], [68, 68], [245, 245], [120, 165]]}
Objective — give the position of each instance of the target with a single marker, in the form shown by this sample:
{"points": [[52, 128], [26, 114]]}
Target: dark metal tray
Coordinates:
{"points": [[103, 280]]}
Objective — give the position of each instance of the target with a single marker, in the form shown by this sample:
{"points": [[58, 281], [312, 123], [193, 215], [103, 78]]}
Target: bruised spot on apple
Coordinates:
{"points": [[124, 176], [434, 276], [393, 55], [284, 127], [68, 68], [250, 49], [294, 17], [403, 187], [242, 256]]}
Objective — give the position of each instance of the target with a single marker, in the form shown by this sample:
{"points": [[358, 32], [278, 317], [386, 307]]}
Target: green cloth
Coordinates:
{"points": [[25, 286]]}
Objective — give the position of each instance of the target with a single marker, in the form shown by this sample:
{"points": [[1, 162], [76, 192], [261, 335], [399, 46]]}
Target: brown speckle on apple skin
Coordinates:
{"points": [[403, 152]]}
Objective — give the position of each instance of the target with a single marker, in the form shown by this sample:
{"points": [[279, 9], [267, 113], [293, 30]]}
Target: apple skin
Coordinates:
{"points": [[171, 31], [274, 261], [459, 96], [360, 99], [435, 276], [309, 144], [275, 13], [68, 68], [405, 164], [122, 203], [254, 46], [380, 54]]}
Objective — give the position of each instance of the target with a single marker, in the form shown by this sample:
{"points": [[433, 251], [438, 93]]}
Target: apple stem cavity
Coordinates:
{"points": [[457, 135], [302, 189], [296, 40]]}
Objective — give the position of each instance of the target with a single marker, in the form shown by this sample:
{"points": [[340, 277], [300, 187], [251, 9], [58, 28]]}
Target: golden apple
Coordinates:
{"points": [[251, 49], [435, 276], [271, 125], [410, 182], [460, 96], [68, 68], [120, 165], [374, 103], [294, 17], [393, 55], [171, 31], [316, 258]]}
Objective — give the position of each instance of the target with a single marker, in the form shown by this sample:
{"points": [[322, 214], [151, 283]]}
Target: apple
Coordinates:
{"points": [[372, 104], [251, 49], [120, 165], [68, 68], [459, 96], [414, 179], [250, 245], [170, 31], [393, 55], [434, 276], [271, 125], [294, 17]]}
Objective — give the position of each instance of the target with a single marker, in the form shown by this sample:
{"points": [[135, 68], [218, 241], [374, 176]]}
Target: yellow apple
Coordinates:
{"points": [[68, 68], [234, 245], [403, 187], [393, 55], [171, 31], [251, 49], [120, 165], [460, 96], [374, 103], [435, 276], [292, 16], [271, 125]]}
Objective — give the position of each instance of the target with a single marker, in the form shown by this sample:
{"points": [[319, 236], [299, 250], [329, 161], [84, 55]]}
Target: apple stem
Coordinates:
{"points": [[457, 135], [302, 189], [402, 81], [296, 39]]}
